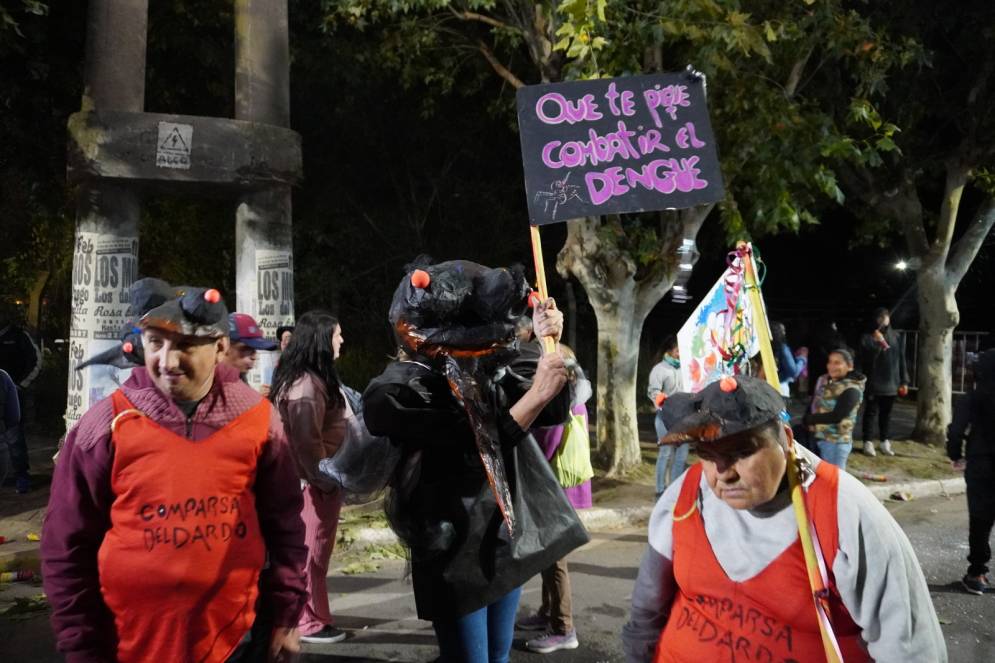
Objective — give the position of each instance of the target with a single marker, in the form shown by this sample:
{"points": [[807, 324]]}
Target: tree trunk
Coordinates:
{"points": [[938, 316], [571, 315], [618, 358], [34, 300]]}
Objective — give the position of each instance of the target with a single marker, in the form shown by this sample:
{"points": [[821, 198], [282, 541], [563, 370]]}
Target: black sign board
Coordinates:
{"points": [[614, 145]]}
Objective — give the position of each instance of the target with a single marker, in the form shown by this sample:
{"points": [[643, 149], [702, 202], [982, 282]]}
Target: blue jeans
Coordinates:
{"points": [[483, 636], [679, 454], [834, 453]]}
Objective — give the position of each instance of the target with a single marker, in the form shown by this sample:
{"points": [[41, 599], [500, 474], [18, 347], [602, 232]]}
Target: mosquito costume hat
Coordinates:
{"points": [[187, 310], [460, 317], [472, 496]]}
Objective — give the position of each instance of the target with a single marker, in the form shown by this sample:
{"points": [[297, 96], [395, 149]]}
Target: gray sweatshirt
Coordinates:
{"points": [[876, 570], [665, 378]]}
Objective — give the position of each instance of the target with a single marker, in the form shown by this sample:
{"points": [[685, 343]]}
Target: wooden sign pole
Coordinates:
{"points": [[548, 344]]}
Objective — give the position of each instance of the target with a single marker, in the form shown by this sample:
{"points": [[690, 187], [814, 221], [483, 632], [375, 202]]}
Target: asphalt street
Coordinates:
{"points": [[378, 609]]}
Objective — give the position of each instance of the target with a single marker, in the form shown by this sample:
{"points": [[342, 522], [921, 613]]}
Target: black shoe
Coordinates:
{"points": [[22, 484], [325, 636], [976, 584]]}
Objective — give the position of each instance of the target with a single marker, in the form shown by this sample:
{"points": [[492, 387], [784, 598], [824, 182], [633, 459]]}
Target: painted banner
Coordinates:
{"points": [[614, 145], [720, 336], [104, 267]]}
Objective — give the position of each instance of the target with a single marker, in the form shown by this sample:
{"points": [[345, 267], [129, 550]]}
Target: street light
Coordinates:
{"points": [[901, 265], [687, 256]]}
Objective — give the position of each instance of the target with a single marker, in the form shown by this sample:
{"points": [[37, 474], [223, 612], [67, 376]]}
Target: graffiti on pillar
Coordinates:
{"points": [[173, 145], [274, 289], [104, 267]]}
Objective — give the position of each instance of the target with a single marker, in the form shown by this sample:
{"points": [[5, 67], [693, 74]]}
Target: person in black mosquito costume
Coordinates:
{"points": [[472, 496]]}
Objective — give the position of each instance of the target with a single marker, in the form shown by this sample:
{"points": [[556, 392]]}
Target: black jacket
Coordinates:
{"points": [[885, 369], [440, 486], [974, 419]]}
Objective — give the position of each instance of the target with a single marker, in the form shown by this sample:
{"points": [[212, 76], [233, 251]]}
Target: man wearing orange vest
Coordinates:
{"points": [[167, 498], [724, 576]]}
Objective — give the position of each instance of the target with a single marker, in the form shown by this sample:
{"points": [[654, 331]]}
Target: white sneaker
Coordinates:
{"points": [[869, 448], [886, 448], [327, 635], [550, 642]]}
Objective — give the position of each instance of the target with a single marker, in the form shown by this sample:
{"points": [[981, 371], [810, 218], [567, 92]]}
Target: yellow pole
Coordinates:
{"points": [[794, 480], [548, 344]]}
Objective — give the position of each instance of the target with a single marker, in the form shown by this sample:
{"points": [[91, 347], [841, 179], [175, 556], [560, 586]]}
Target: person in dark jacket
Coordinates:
{"points": [[21, 359], [974, 421], [472, 497], [882, 360], [833, 411], [825, 339]]}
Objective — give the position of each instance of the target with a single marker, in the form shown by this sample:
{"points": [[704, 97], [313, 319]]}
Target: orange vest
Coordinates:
{"points": [[180, 563], [769, 618]]}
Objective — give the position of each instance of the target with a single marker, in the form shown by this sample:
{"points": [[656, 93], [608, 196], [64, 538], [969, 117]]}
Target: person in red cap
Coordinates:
{"points": [[167, 499], [724, 577], [246, 340]]}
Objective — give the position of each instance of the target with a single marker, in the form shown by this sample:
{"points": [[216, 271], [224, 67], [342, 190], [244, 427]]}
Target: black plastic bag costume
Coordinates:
{"points": [[473, 497]]}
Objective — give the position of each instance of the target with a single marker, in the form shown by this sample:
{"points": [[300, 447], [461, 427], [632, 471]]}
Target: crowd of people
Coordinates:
{"points": [[193, 517]]}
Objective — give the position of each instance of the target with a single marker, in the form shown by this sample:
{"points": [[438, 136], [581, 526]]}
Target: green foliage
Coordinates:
{"points": [[778, 75]]}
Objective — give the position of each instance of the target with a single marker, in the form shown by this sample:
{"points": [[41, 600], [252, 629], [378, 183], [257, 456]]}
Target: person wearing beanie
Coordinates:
{"points": [[971, 448], [724, 576], [167, 499]]}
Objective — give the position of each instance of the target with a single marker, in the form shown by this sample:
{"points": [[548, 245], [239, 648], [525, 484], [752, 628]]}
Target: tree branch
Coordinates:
{"points": [[953, 188], [795, 77], [966, 248], [501, 70], [685, 223], [900, 204], [480, 18]]}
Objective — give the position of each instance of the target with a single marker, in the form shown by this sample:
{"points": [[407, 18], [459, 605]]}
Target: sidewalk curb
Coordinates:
{"points": [[919, 489], [595, 518], [20, 556], [602, 518]]}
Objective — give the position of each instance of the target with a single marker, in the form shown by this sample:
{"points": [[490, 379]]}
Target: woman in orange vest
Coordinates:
{"points": [[724, 577], [167, 498]]}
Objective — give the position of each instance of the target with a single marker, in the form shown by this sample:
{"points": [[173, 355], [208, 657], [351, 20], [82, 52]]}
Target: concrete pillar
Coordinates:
{"points": [[105, 257], [263, 242]]}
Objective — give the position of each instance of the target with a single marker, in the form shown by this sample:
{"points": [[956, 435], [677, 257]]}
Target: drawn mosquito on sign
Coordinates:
{"points": [[559, 194]]}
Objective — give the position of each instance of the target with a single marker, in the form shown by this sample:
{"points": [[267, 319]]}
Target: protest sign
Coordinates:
{"points": [[614, 145]]}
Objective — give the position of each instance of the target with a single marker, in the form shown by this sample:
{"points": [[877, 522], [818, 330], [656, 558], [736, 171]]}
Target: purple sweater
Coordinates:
{"points": [[79, 510]]}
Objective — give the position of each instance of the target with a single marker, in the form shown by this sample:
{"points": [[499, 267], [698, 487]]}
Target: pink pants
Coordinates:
{"points": [[321, 519]]}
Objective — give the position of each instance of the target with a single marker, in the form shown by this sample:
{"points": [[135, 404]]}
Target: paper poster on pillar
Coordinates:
{"points": [[104, 267], [273, 305]]}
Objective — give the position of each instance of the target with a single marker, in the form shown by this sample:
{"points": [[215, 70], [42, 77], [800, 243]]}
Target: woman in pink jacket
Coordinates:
{"points": [[309, 396]]}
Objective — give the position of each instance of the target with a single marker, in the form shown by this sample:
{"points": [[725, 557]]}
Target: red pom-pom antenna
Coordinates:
{"points": [[128, 347], [420, 279], [212, 296], [728, 384], [534, 299]]}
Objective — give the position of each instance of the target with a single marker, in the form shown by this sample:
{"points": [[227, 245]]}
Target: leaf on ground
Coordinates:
{"points": [[26, 607], [359, 567]]}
